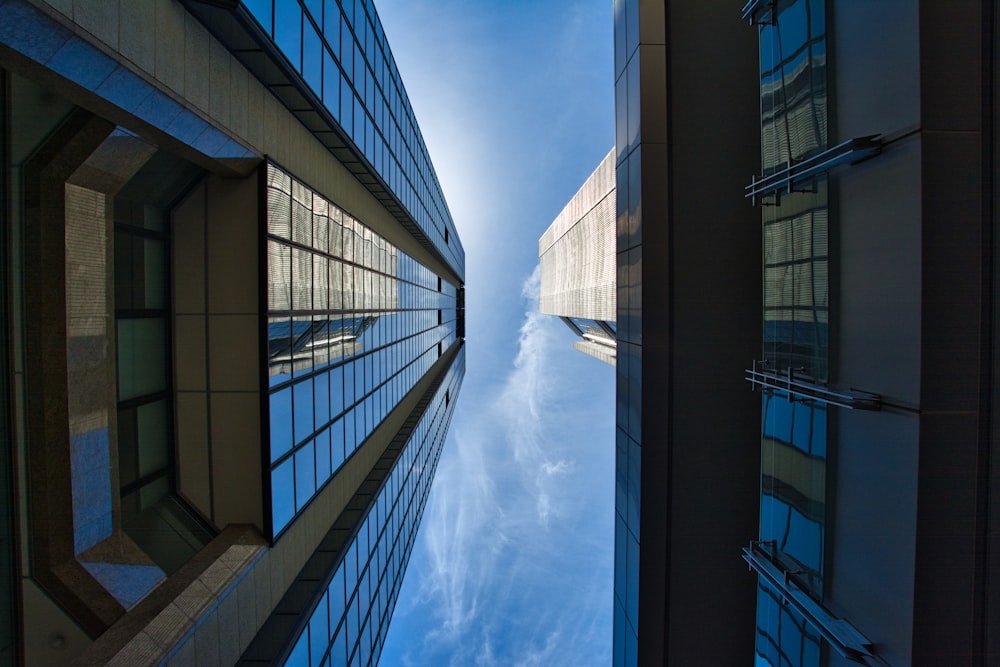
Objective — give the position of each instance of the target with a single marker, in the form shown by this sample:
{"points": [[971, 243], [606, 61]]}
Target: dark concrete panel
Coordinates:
{"points": [[871, 515], [874, 68], [952, 270], [875, 274], [945, 592], [950, 64], [701, 327]]}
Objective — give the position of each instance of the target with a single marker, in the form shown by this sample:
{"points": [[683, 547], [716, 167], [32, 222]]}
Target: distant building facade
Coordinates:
{"points": [[807, 207], [577, 265], [234, 307]]}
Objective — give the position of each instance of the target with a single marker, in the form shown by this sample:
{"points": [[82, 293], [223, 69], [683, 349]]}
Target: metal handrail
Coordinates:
{"points": [[843, 636], [852, 399], [851, 151]]}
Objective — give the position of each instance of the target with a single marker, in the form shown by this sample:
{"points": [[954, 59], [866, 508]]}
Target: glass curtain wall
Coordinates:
{"points": [[151, 512], [352, 324], [793, 518], [340, 51], [349, 623], [8, 596]]}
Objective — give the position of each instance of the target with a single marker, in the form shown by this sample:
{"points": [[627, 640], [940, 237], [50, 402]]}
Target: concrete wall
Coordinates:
{"points": [[163, 45], [217, 350], [576, 253], [689, 318]]}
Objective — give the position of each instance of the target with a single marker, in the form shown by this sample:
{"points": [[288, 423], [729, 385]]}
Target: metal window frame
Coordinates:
{"points": [[838, 632], [851, 399], [786, 180]]}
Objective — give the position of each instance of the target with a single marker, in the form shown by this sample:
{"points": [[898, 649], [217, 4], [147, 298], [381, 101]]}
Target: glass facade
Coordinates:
{"points": [[353, 323], [339, 50], [628, 467], [348, 624], [8, 595], [794, 438], [152, 514]]}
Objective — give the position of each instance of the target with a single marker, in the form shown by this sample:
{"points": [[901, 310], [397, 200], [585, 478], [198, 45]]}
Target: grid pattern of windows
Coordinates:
{"points": [[628, 364], [350, 621], [796, 283], [353, 324], [8, 601], [576, 254], [793, 98], [340, 51], [794, 436]]}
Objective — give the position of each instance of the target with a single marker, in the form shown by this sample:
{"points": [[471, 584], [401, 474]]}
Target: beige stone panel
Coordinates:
{"points": [[239, 83], [228, 615], [62, 6], [137, 29], [185, 656], [232, 245], [188, 220], [263, 600], [270, 109], [86, 268], [206, 641], [247, 624], [169, 44], [196, 63], [233, 353], [236, 458], [98, 17], [255, 112], [43, 620], [189, 352], [218, 82], [193, 471]]}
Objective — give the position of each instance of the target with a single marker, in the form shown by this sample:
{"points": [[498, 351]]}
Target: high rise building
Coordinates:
{"points": [[233, 297], [807, 208], [576, 257]]}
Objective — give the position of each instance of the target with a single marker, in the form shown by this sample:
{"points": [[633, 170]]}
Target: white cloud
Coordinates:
{"points": [[507, 509]]}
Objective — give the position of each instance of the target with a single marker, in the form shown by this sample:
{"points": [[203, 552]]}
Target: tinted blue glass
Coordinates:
{"points": [[622, 395], [338, 652], [332, 19], [261, 10], [323, 459], [300, 654], [337, 453], [353, 619], [315, 7], [336, 593], [349, 393], [618, 643], [631, 647], [357, 133], [288, 30], [319, 630], [346, 122], [634, 485], [620, 533], [281, 422], [283, 494], [312, 58], [631, 577], [350, 438], [332, 81], [321, 398], [305, 475], [346, 49], [303, 409]]}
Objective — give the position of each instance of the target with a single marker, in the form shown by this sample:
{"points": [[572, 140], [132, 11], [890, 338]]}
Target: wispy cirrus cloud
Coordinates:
{"points": [[513, 499]]}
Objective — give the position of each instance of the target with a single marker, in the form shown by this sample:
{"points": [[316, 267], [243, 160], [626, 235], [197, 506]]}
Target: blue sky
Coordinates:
{"points": [[513, 562]]}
